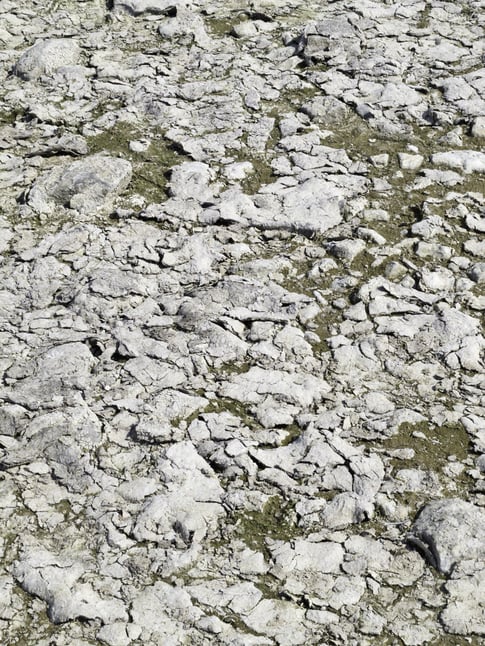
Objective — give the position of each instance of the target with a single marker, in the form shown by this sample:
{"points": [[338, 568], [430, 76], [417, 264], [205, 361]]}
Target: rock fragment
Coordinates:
{"points": [[86, 185], [47, 56], [448, 532], [139, 7]]}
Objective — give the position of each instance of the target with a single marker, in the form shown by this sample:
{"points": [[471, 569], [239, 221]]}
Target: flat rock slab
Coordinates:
{"points": [[85, 185], [449, 531]]}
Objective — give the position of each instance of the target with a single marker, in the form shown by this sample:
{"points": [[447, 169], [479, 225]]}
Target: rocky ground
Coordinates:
{"points": [[241, 303]]}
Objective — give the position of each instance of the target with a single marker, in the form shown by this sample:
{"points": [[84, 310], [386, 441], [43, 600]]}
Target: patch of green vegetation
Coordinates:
{"points": [[364, 263], [228, 368], [189, 419], [456, 640], [469, 10], [275, 520], [64, 508], [8, 118], [293, 433], [361, 141], [424, 16], [219, 25], [269, 586], [238, 409], [296, 280], [36, 624], [262, 174], [291, 100], [151, 167], [433, 445]]}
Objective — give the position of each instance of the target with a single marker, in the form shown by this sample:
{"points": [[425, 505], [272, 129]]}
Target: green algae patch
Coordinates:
{"points": [[275, 520]]}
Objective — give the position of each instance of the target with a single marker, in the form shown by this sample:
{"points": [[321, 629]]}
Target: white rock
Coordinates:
{"points": [[46, 56], [378, 403], [238, 170], [279, 619], [469, 161], [410, 162], [114, 635], [301, 556], [86, 184], [380, 161], [465, 611], [477, 272], [245, 29], [342, 511], [448, 532], [190, 180], [347, 249], [295, 388], [56, 581], [478, 127], [156, 610]]}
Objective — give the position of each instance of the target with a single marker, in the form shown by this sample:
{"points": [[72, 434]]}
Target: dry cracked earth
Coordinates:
{"points": [[241, 322]]}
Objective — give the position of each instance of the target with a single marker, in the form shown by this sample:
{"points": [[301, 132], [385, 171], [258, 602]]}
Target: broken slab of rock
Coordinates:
{"points": [[86, 184], [469, 161], [448, 532], [465, 610], [57, 580]]}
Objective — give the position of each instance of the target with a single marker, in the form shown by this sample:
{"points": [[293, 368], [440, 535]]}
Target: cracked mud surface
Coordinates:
{"points": [[241, 322]]}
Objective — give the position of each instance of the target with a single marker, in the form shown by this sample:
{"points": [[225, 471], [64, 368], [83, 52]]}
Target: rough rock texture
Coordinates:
{"points": [[450, 531], [83, 185], [241, 323]]}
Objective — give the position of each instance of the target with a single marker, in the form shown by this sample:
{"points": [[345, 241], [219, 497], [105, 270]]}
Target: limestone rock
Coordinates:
{"points": [[47, 56], [86, 185], [448, 532]]}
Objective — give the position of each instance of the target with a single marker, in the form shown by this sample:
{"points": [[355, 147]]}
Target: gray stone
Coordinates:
{"points": [[448, 532], [138, 7], [465, 611], [410, 162], [478, 127], [469, 161], [278, 619], [85, 185], [303, 556], [216, 375], [47, 56], [191, 180], [57, 582]]}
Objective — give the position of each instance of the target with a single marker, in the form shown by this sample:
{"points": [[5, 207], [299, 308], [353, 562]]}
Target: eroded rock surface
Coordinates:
{"points": [[241, 321]]}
